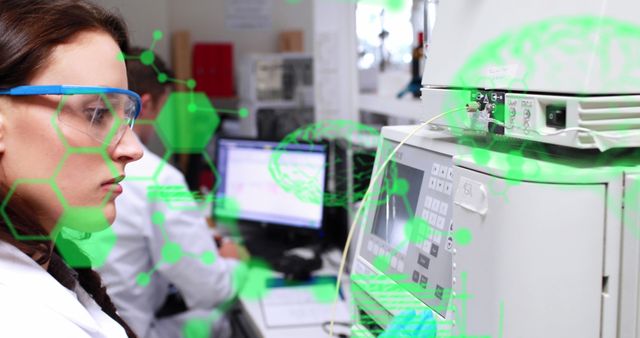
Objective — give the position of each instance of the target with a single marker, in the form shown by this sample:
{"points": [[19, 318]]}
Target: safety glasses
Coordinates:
{"points": [[103, 113]]}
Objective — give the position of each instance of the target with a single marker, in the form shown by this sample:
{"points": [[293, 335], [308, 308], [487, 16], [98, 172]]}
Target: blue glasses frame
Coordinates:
{"points": [[72, 90]]}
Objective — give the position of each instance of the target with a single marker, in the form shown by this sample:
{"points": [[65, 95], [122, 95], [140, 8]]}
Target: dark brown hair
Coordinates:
{"points": [[29, 31], [144, 79]]}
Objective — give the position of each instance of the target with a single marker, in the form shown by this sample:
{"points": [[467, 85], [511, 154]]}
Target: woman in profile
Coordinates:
{"points": [[65, 121]]}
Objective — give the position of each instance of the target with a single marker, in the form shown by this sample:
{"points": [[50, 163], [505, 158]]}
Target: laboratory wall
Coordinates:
{"points": [[205, 19], [143, 18]]}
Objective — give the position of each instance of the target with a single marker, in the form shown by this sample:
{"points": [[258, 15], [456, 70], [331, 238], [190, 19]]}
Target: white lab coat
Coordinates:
{"points": [[139, 249], [34, 304]]}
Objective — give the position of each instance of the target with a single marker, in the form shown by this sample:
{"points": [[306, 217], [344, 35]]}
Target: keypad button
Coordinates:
{"points": [[444, 207], [435, 169], [415, 277], [435, 205], [427, 202], [425, 245], [440, 185], [447, 188], [423, 282], [439, 222], [432, 236], [434, 250], [433, 218], [423, 261], [450, 174], [439, 292], [437, 236], [425, 214], [432, 182], [443, 172]]}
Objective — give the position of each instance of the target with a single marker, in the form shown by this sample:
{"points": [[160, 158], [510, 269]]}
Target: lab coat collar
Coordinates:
{"points": [[21, 273]]}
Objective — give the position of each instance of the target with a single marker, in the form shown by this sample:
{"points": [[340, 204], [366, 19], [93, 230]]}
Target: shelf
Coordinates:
{"points": [[391, 106], [385, 101]]}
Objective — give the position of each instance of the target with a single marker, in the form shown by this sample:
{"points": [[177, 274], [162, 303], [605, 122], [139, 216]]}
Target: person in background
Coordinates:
{"points": [[58, 70], [149, 301]]}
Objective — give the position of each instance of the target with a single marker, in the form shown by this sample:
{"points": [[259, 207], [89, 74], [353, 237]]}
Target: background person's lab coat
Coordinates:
{"points": [[139, 249], [34, 304]]}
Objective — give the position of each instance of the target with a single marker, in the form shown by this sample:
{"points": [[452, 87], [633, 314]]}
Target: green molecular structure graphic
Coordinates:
{"points": [[51, 190], [96, 245], [186, 124]]}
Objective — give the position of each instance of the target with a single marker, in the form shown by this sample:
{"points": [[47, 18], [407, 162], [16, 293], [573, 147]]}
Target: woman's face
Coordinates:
{"points": [[31, 148]]}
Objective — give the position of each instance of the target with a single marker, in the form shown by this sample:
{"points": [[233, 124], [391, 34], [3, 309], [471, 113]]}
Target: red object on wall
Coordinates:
{"points": [[213, 69]]}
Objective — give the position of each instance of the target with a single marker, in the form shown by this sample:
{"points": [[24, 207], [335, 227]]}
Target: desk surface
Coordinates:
{"points": [[254, 318]]}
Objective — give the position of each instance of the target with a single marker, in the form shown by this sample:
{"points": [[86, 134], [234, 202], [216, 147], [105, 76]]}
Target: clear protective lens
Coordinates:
{"points": [[104, 117]]}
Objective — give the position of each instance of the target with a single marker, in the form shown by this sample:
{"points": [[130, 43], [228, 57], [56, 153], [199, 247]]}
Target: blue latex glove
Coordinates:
{"points": [[412, 324]]}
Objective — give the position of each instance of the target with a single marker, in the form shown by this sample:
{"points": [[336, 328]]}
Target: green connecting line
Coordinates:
{"points": [[148, 57]]}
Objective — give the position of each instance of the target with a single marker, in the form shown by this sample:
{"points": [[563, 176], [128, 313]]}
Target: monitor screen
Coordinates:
{"points": [[394, 210], [249, 191]]}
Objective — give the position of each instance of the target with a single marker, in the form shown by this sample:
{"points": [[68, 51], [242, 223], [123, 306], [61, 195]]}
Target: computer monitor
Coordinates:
{"points": [[248, 191]]}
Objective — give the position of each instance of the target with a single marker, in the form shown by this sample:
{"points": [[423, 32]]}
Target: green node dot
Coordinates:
{"points": [[162, 77], [394, 5], [121, 57], [192, 108], [481, 156], [196, 328], [324, 292], [243, 113], [208, 258], [228, 208], [400, 187], [147, 57], [515, 159], [191, 84], [382, 262], [462, 236], [143, 279], [172, 253], [417, 230], [250, 279], [158, 35], [157, 218]]}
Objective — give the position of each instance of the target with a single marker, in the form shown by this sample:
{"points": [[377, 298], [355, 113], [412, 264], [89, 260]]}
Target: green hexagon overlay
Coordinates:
{"points": [[11, 193], [86, 152], [183, 131], [97, 246]]}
